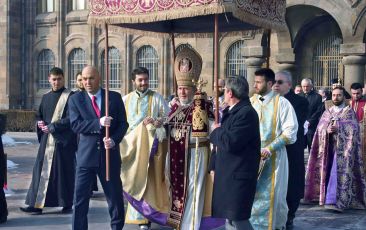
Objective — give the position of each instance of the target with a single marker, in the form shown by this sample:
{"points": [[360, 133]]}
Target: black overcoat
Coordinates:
{"points": [[237, 162], [295, 152], [314, 110]]}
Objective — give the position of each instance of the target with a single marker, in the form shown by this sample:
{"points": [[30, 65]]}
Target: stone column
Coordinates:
{"points": [[354, 70], [286, 62], [254, 59], [290, 67], [354, 61], [252, 64]]}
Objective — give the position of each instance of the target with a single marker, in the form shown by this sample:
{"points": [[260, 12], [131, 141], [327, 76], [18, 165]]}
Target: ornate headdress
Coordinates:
{"points": [[337, 81], [187, 67]]}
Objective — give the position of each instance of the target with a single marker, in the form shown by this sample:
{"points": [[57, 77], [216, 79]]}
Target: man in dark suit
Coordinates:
{"points": [[295, 151], [237, 158], [88, 120], [315, 109]]}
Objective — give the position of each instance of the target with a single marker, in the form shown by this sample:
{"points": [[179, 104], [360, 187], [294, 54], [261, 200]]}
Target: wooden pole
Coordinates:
{"points": [[106, 74], [216, 69], [268, 48], [175, 87]]}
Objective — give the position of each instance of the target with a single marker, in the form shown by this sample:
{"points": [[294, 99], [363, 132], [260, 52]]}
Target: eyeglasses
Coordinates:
{"points": [[280, 82]]}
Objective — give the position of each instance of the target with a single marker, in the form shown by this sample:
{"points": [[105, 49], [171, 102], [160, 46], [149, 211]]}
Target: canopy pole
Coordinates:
{"points": [[268, 47], [106, 74], [216, 69], [174, 56]]}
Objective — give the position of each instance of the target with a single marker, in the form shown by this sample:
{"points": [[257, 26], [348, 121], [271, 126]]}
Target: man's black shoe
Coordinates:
{"points": [[31, 210], [66, 210], [3, 219], [290, 224]]}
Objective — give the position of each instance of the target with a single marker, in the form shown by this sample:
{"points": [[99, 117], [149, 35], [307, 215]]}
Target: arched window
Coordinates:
{"points": [[45, 62], [76, 63], [114, 67], [78, 4], [327, 61], [45, 6], [148, 58], [181, 46], [235, 62]]}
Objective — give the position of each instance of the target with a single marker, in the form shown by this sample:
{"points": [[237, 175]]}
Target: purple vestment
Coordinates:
{"points": [[335, 171]]}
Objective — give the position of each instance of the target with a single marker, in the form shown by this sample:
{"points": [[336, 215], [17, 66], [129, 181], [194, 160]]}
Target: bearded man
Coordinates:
{"points": [[146, 110], [335, 173], [278, 128]]}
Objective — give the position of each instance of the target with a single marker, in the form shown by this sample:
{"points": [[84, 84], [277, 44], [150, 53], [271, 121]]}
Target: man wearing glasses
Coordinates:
{"points": [[295, 151]]}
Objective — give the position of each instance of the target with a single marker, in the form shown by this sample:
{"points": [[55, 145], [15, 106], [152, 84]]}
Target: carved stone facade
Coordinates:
{"points": [[325, 39]]}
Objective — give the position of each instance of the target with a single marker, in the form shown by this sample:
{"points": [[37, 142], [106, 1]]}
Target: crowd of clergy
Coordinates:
{"points": [[177, 167]]}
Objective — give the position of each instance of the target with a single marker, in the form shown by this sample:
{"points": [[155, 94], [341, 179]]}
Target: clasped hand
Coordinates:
{"points": [[105, 121], [332, 129], [265, 153], [149, 120], [42, 125], [215, 126], [108, 143]]}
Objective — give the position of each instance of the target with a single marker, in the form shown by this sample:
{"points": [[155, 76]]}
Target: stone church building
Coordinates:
{"points": [[324, 40]]}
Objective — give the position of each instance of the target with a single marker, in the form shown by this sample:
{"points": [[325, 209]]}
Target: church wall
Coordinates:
{"points": [[4, 99]]}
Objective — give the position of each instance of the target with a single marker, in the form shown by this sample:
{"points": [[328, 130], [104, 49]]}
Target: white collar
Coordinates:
{"points": [[97, 95]]}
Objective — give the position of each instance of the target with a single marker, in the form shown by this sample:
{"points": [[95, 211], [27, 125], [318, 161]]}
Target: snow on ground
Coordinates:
{"points": [[10, 142], [8, 192], [11, 164]]}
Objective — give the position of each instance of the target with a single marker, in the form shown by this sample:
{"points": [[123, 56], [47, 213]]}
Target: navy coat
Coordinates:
{"points": [[236, 162], [84, 121]]}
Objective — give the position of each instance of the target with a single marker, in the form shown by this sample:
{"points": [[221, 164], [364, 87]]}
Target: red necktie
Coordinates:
{"points": [[95, 106]]}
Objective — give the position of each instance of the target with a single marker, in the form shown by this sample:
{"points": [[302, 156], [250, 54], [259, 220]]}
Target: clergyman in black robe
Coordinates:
{"points": [[295, 151], [54, 170]]}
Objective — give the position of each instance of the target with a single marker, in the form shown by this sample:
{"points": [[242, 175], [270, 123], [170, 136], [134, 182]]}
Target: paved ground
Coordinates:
{"points": [[23, 153]]}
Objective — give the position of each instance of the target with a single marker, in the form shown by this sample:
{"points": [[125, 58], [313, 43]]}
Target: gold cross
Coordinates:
{"points": [[200, 83]]}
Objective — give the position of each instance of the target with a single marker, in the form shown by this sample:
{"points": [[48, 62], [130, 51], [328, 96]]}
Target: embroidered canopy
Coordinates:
{"points": [[188, 16]]}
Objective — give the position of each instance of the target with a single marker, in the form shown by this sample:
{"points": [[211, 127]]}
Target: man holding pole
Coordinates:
{"points": [[238, 157], [88, 120]]}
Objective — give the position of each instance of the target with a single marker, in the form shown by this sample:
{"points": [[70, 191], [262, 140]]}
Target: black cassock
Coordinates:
{"points": [[61, 182], [295, 154]]}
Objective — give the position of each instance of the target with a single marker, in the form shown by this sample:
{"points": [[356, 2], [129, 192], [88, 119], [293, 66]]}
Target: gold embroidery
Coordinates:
{"points": [[179, 129], [199, 119], [178, 133]]}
